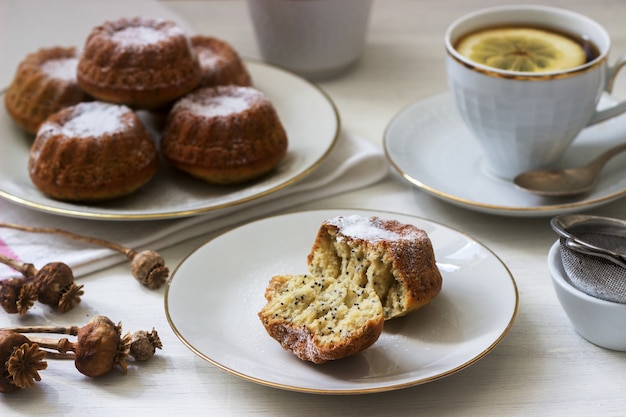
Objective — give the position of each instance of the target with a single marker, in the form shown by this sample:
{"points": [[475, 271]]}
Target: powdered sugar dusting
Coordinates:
{"points": [[219, 106], [239, 100], [94, 119], [140, 36], [208, 59], [62, 69], [359, 227]]}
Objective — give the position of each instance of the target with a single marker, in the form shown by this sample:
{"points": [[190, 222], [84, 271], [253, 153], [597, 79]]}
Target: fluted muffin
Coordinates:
{"points": [[140, 62], [395, 259], [224, 135], [92, 151], [44, 83], [220, 62], [363, 271]]}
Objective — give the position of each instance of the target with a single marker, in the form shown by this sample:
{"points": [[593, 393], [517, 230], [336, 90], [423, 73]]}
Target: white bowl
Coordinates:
{"points": [[601, 322]]}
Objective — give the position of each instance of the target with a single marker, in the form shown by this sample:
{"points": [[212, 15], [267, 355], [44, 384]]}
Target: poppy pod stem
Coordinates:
{"points": [[69, 330], [51, 230], [26, 269], [147, 266]]}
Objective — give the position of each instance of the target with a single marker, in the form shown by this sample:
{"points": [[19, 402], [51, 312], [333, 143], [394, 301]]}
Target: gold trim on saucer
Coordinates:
{"points": [[440, 110]]}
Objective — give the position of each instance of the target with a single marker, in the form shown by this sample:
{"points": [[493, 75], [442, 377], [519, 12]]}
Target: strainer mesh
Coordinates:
{"points": [[594, 275]]}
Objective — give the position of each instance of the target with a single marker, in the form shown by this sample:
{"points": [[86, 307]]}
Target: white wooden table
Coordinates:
{"points": [[542, 367]]}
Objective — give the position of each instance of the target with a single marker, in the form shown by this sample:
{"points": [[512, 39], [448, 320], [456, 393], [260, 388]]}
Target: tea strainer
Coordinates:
{"points": [[593, 252]]}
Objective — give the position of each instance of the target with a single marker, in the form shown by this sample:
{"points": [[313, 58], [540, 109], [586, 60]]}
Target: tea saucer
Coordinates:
{"points": [[429, 146]]}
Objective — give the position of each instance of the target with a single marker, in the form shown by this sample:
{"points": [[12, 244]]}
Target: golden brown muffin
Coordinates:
{"points": [[220, 63], [92, 151], [44, 83], [320, 318], [140, 62], [224, 135], [396, 260]]}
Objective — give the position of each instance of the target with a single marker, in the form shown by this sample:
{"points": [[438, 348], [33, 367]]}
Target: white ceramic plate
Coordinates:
{"points": [[308, 115], [213, 297], [428, 144]]}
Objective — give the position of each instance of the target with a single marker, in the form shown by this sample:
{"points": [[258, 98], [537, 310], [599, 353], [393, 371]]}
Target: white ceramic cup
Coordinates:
{"points": [[314, 38], [526, 121]]}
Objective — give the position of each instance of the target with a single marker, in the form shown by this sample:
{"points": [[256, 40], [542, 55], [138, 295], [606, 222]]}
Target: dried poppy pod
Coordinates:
{"points": [[143, 345], [20, 362], [100, 347], [17, 295], [148, 267], [54, 283], [56, 288]]}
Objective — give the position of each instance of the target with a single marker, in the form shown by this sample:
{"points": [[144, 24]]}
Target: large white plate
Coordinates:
{"points": [[213, 297], [428, 144], [308, 115]]}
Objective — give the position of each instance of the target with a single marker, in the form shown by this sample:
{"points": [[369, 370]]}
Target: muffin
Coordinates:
{"points": [[319, 318], [220, 63], [140, 62], [224, 135], [44, 83], [92, 151], [397, 260], [363, 272]]}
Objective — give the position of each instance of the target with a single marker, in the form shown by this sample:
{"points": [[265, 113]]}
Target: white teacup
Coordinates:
{"points": [[315, 38], [522, 120]]}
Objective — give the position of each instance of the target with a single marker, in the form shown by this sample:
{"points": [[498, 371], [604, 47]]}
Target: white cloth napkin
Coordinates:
{"points": [[353, 163]]}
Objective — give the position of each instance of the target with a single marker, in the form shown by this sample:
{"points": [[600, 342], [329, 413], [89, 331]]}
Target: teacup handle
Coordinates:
{"points": [[602, 115]]}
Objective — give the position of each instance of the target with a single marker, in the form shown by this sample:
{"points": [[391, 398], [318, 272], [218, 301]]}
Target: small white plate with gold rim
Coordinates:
{"points": [[307, 113], [213, 297], [429, 146]]}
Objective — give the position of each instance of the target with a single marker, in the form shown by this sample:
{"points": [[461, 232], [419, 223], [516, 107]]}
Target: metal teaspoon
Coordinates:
{"points": [[568, 181]]}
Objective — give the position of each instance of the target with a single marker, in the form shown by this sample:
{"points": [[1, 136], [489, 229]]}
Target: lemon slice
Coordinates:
{"points": [[522, 50]]}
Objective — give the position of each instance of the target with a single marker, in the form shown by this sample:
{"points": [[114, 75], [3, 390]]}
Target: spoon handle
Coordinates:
{"points": [[604, 157]]}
